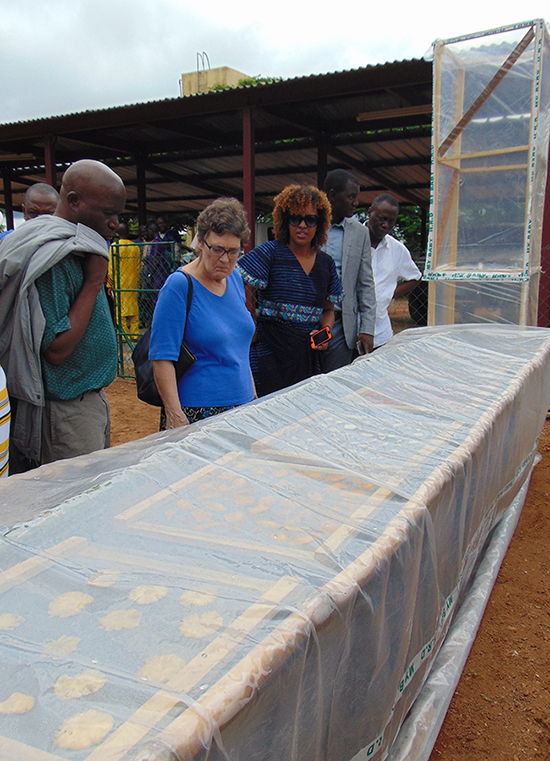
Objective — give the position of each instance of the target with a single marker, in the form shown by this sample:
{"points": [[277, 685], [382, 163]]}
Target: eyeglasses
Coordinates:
{"points": [[296, 220], [219, 251]]}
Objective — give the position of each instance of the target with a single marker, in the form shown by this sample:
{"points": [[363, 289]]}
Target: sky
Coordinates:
{"points": [[64, 56]]}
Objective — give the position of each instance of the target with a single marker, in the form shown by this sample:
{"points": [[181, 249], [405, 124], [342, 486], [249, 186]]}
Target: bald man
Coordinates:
{"points": [[52, 272], [39, 199]]}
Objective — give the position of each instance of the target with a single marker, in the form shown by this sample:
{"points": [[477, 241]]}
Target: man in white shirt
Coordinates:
{"points": [[395, 273]]}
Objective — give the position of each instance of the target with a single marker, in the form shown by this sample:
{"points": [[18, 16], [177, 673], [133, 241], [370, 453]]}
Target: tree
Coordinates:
{"points": [[247, 82], [409, 229]]}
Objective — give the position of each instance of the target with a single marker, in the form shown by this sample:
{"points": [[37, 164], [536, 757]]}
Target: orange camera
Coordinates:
{"points": [[320, 337]]}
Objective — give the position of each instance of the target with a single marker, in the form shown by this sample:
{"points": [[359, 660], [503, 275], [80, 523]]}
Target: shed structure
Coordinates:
{"points": [[180, 153]]}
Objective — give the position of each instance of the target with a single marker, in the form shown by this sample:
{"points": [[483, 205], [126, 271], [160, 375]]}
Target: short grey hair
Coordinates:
{"points": [[224, 215]]}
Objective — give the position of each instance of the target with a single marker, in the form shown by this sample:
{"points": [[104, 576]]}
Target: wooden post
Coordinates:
{"points": [[8, 202], [424, 230], [141, 190], [249, 169], [321, 161], [49, 160]]}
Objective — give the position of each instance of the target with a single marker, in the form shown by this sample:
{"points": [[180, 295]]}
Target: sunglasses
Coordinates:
{"points": [[311, 220]]}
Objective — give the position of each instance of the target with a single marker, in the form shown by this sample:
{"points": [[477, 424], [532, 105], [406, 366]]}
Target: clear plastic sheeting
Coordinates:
{"points": [[420, 729], [477, 301], [275, 582], [491, 126]]}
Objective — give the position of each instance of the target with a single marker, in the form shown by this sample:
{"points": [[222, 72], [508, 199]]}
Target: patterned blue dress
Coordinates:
{"points": [[290, 304]]}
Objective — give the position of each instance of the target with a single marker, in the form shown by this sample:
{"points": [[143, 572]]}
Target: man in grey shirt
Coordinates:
{"points": [[349, 245]]}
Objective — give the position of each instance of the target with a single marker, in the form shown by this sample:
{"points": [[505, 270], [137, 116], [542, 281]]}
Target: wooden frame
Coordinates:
{"points": [[448, 220]]}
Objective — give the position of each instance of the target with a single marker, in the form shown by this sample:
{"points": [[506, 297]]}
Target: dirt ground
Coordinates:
{"points": [[130, 418], [501, 708]]}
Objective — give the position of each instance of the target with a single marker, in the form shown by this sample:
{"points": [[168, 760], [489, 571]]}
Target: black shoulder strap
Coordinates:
{"points": [[189, 294], [189, 297]]}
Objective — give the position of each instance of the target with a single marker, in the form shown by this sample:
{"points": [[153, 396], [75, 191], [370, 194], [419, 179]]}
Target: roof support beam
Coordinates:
{"points": [[235, 150], [364, 168], [308, 168], [321, 160], [141, 190], [216, 188], [18, 181], [249, 166], [302, 124], [49, 159], [8, 204], [264, 205]]}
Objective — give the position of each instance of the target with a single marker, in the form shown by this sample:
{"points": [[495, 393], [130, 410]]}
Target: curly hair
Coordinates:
{"points": [[295, 199], [224, 215]]}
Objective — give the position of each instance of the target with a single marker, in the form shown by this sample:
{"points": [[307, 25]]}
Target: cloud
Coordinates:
{"points": [[65, 56]]}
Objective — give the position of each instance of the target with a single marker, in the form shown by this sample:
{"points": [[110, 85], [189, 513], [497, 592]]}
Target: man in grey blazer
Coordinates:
{"points": [[349, 245]]}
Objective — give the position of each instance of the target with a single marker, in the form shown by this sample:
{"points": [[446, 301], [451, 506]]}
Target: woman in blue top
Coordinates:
{"points": [[297, 287], [219, 328]]}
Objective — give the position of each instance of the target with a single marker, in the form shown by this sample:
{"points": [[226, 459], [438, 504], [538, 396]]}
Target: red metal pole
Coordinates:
{"points": [[49, 159], [141, 191], [8, 202], [543, 315], [321, 161], [249, 172]]}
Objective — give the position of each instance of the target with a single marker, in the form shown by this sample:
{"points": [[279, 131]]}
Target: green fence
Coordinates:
{"points": [[137, 272]]}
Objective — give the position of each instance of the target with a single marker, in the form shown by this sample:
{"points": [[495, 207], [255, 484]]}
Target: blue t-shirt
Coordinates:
{"points": [[218, 332]]}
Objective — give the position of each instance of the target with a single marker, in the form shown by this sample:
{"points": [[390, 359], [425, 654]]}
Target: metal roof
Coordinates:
{"points": [[375, 121]]}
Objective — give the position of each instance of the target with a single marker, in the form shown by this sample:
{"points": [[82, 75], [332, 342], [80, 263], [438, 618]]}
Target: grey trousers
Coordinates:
{"points": [[337, 354], [72, 427]]}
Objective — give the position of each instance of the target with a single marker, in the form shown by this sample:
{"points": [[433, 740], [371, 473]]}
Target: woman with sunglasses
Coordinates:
{"points": [[296, 285], [218, 330]]}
